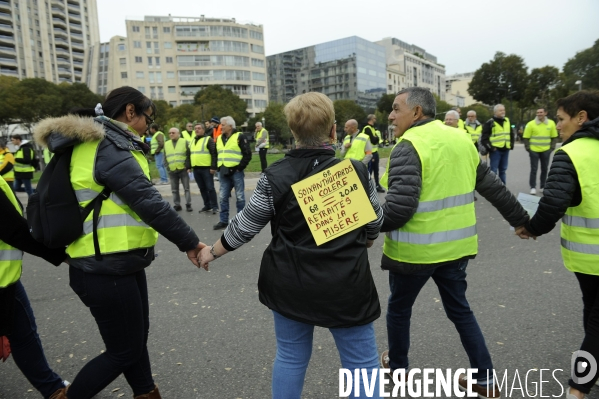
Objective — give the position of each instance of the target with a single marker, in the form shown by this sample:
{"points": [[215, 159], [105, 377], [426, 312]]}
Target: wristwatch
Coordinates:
{"points": [[212, 253]]}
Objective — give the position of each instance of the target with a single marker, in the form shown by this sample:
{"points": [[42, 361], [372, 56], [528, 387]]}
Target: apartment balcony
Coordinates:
{"points": [[77, 36], [7, 39], [75, 26], [62, 51], [77, 45], [68, 80], [77, 64], [61, 32], [5, 6], [8, 61], [6, 28], [9, 71], [64, 62], [59, 22], [78, 55], [7, 50], [58, 11], [75, 19], [5, 17], [74, 8]]}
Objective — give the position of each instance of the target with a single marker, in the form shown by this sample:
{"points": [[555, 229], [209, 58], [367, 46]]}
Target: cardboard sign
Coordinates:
{"points": [[334, 202]]}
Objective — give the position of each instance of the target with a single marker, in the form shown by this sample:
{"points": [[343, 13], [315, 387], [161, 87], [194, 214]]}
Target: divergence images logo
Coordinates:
{"points": [[584, 367]]}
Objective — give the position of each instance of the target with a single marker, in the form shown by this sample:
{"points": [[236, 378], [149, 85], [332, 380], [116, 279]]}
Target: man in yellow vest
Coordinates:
{"points": [[473, 126], [540, 138], [24, 161], [234, 155], [459, 121], [203, 162], [179, 165], [356, 145], [157, 150], [497, 138], [262, 144], [7, 164], [187, 134], [430, 226]]}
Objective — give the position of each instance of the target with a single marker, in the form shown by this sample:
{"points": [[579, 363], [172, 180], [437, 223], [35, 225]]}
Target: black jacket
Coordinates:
{"points": [[485, 138], [28, 158], [116, 168], [562, 189], [328, 285], [405, 183]]}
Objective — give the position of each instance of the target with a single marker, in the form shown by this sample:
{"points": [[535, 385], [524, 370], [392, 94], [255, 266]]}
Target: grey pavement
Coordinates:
{"points": [[210, 337]]}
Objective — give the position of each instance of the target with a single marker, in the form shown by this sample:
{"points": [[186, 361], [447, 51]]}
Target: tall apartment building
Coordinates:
{"points": [[346, 69], [456, 89], [46, 38], [172, 58], [420, 68]]}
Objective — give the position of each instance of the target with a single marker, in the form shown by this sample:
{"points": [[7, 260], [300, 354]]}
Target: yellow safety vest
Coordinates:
{"points": [[444, 225], [119, 228], [11, 258], [540, 135], [200, 156], [358, 145], [375, 147], [474, 133], [260, 135], [175, 156], [10, 176], [154, 142], [47, 156], [23, 168], [501, 135], [186, 135], [580, 224], [229, 155], [461, 124]]}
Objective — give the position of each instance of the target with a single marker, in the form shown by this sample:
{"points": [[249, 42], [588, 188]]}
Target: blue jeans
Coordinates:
{"points": [[205, 182], [119, 304], [24, 182], [227, 183], [27, 348], [499, 160], [451, 282], [356, 346], [159, 158], [535, 157]]}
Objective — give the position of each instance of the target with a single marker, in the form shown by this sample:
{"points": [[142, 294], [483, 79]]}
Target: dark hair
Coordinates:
{"points": [[200, 124], [116, 102], [17, 137], [580, 101], [154, 126], [2, 143], [422, 97]]}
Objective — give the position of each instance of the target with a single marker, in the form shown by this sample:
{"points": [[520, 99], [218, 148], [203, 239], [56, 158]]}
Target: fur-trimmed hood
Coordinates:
{"points": [[57, 133]]}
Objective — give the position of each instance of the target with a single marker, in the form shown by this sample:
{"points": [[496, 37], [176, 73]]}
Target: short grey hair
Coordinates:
{"points": [[227, 120], [496, 107], [454, 113], [473, 111], [177, 129], [422, 97], [259, 124]]}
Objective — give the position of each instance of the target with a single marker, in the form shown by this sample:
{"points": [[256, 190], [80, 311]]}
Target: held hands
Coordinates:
{"points": [[205, 257], [524, 234], [193, 254]]}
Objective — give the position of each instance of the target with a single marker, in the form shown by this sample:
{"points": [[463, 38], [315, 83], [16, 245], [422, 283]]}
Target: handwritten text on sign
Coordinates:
{"points": [[334, 202]]}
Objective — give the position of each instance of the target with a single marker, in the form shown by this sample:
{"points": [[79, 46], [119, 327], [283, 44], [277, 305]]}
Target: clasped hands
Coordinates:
{"points": [[524, 234], [200, 256]]}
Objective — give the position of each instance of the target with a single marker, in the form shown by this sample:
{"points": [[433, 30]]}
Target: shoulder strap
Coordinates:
{"points": [[320, 167]]}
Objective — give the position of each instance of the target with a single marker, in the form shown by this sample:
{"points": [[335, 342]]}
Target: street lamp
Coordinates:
{"points": [[263, 123], [579, 83]]}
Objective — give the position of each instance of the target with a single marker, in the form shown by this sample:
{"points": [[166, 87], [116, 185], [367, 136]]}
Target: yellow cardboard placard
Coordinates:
{"points": [[334, 202]]}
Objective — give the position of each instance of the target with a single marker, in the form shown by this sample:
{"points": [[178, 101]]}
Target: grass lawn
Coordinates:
{"points": [[254, 165]]}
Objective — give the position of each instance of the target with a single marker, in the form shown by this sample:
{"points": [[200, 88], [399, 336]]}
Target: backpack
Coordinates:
{"points": [[54, 215]]}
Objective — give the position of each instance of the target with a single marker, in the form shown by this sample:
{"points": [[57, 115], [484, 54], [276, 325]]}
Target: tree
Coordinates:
{"points": [[274, 121], [36, 99], [179, 116], [504, 76], [8, 110], [483, 113], [163, 110], [442, 107], [541, 82], [385, 103], [348, 109], [77, 95], [219, 102], [584, 66]]}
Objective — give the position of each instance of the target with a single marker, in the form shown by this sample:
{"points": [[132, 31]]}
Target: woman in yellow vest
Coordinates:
{"points": [[107, 269], [17, 321], [571, 194], [7, 164]]}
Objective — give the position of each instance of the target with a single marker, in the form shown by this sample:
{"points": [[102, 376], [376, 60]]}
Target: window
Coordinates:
{"points": [[142, 89], [135, 28], [257, 49], [169, 60], [123, 75], [168, 45], [147, 31], [138, 60], [136, 44], [151, 76], [259, 89], [155, 32], [257, 63], [149, 47], [157, 61], [256, 35], [172, 103], [121, 47], [209, 75], [170, 75], [172, 89], [150, 61], [166, 30], [122, 61], [260, 103], [139, 74], [159, 78], [258, 76]]}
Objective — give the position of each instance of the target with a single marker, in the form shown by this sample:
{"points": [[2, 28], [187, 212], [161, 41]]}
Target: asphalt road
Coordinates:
{"points": [[211, 338]]}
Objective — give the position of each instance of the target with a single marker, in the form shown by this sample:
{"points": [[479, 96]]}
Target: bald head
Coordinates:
{"points": [[351, 126]]}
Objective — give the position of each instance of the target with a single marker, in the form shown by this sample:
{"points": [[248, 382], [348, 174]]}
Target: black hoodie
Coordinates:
{"points": [[562, 189]]}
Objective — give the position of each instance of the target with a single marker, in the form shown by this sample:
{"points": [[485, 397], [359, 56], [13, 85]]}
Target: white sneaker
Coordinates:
{"points": [[533, 190]]}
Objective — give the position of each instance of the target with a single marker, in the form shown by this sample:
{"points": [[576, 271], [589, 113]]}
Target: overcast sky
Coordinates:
{"points": [[463, 34]]}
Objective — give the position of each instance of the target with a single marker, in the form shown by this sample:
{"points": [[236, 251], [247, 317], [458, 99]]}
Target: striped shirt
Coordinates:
{"points": [[261, 210]]}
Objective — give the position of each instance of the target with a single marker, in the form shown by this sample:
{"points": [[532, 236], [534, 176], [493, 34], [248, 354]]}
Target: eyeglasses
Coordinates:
{"points": [[149, 119]]}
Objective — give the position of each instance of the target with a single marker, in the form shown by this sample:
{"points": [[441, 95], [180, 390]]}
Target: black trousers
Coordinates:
{"points": [[262, 152]]}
